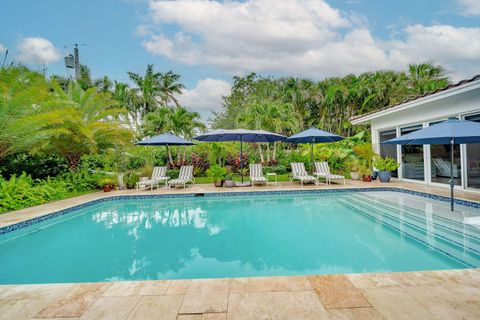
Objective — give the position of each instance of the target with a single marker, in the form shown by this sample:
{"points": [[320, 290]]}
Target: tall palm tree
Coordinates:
{"points": [[168, 86], [147, 88]]}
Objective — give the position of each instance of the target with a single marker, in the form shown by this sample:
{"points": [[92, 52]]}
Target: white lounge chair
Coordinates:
{"points": [[159, 174], [322, 170], [256, 174], [184, 176], [443, 168], [299, 173]]}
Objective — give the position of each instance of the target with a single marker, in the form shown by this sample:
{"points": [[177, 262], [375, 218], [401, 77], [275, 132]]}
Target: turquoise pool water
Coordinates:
{"points": [[234, 237]]}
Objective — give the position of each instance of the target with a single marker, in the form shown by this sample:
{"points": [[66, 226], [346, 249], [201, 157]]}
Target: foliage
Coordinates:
{"points": [[386, 164], [216, 172], [354, 165], [108, 182], [279, 169], [91, 122], [27, 120], [22, 191], [130, 179], [39, 166], [327, 104]]}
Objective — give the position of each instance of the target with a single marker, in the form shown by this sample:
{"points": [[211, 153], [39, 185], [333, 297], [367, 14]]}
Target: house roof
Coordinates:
{"points": [[427, 94]]}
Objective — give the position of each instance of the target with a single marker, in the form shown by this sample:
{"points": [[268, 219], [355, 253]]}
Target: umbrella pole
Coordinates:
{"points": [[168, 160], [241, 159], [312, 160], [451, 174]]}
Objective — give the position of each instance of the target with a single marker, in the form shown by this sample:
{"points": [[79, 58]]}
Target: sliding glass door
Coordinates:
{"points": [[440, 160], [473, 159], [412, 157], [389, 150]]}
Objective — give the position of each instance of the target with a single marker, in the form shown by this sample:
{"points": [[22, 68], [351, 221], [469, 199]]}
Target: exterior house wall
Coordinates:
{"points": [[459, 102]]}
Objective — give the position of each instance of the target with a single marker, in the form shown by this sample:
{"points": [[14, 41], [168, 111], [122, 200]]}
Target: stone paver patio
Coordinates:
{"points": [[450, 294]]}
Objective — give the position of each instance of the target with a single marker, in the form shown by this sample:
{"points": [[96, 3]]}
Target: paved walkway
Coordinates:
{"points": [[452, 294]]}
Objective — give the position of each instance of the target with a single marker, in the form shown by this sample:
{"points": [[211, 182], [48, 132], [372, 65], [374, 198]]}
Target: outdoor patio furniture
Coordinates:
{"points": [[159, 174], [185, 176], [256, 174], [322, 170], [443, 168], [300, 174]]}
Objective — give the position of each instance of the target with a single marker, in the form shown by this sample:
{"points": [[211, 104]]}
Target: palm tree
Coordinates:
{"points": [[426, 77], [27, 120], [178, 121], [147, 89], [91, 122], [169, 85]]}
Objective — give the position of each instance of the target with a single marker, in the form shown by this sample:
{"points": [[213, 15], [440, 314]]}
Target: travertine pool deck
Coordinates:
{"points": [[453, 294], [450, 294]]}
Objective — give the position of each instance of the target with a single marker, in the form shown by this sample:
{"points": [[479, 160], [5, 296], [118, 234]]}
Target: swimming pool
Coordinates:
{"points": [[241, 235]]}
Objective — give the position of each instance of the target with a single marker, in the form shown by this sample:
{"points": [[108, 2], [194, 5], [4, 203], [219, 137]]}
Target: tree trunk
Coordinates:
{"points": [[274, 157], [261, 153], [184, 154], [73, 161], [170, 157], [179, 155], [268, 152]]}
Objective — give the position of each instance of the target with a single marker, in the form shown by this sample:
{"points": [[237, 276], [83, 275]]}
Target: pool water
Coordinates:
{"points": [[237, 236]]}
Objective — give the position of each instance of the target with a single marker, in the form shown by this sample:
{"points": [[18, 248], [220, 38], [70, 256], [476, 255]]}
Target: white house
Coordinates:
{"points": [[430, 164]]}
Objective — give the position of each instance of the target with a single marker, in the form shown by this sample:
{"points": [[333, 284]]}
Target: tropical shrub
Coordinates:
{"points": [[387, 164], [23, 191], [130, 179], [279, 169], [216, 172], [39, 166]]}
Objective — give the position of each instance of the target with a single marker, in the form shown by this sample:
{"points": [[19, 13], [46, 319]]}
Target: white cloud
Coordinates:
{"points": [[300, 38], [206, 96], [469, 7], [2, 48], [37, 50]]}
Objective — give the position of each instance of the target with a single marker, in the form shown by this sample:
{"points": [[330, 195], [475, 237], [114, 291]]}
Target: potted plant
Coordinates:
{"points": [[385, 167], [366, 174], [217, 173], [229, 183], [354, 166], [107, 184]]}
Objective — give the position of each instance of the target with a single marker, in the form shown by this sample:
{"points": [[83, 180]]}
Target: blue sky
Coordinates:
{"points": [[208, 42]]}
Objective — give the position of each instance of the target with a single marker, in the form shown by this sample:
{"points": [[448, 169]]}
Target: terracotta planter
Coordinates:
{"points": [[218, 183], [107, 188], [367, 178]]}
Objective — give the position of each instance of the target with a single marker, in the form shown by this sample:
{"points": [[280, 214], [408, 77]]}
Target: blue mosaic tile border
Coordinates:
{"points": [[62, 212]]}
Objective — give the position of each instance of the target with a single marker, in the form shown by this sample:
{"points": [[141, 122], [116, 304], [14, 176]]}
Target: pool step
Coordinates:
{"points": [[454, 230], [446, 245]]}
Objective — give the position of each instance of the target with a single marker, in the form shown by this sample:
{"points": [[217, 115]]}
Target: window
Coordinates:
{"points": [[388, 150], [440, 160], [412, 157], [473, 159]]}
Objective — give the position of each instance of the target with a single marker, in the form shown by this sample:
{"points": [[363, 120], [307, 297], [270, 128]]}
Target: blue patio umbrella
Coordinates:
{"points": [[242, 135], [451, 131], [313, 136], [165, 139]]}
